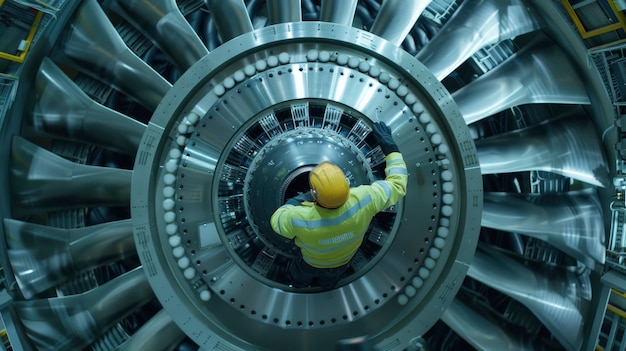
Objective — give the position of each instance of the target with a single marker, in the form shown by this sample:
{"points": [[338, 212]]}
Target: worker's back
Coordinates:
{"points": [[330, 237], [330, 230]]}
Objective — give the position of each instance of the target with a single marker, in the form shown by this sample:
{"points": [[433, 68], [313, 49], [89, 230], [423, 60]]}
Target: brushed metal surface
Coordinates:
{"points": [[540, 72], [93, 46], [474, 25], [283, 11], [231, 17], [43, 181], [553, 295], [572, 222], [159, 333], [480, 331], [73, 322], [62, 110], [338, 11], [396, 19], [43, 256], [567, 145], [162, 22]]}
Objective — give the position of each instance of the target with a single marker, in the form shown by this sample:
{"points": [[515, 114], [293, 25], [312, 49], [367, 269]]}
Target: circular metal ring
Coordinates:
{"points": [[196, 155]]}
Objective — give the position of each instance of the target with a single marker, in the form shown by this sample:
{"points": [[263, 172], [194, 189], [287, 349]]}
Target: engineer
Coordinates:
{"points": [[329, 222]]}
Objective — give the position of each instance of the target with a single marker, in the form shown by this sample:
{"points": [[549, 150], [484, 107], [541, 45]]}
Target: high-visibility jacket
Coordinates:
{"points": [[329, 238]]}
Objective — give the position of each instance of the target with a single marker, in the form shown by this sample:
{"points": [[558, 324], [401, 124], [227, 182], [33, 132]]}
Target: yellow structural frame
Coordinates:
{"points": [[615, 309], [584, 33], [31, 34], [618, 311]]}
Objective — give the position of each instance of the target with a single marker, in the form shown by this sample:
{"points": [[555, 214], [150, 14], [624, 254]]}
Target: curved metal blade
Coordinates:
{"points": [[396, 19], [159, 333], [568, 146], [63, 110], [73, 322], [539, 73], [481, 332], [572, 222], [283, 11], [42, 256], [338, 11], [93, 46], [43, 181], [474, 25], [237, 21], [162, 22], [553, 296]]}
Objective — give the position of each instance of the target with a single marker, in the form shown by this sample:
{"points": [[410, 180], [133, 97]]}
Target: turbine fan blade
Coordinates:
{"points": [[567, 146], [63, 110], [396, 19], [236, 23], [539, 73], [42, 256], [159, 333], [572, 222], [73, 322], [474, 25], [553, 296], [338, 11], [479, 331], [282, 11], [162, 22], [43, 181], [93, 46]]}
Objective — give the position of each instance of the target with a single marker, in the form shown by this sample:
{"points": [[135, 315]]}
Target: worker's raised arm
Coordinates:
{"points": [[396, 175]]}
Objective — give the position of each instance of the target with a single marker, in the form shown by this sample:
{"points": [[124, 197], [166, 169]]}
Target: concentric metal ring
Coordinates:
{"points": [[186, 156]]}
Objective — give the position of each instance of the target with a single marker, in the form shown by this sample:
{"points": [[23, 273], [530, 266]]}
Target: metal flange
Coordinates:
{"points": [[271, 97]]}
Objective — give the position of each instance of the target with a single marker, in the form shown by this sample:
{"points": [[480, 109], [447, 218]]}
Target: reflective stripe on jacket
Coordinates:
{"points": [[329, 238]]}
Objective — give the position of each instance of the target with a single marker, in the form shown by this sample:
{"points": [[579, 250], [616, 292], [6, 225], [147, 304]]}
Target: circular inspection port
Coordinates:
{"points": [[297, 184], [279, 171]]}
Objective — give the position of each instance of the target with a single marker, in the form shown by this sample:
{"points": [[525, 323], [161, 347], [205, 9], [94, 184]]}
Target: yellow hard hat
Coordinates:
{"points": [[329, 185]]}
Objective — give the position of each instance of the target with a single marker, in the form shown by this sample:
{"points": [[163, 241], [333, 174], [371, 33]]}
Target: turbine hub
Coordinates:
{"points": [[238, 134]]}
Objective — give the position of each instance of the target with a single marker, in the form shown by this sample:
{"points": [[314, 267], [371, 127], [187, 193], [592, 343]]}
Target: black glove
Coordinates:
{"points": [[300, 198], [382, 133]]}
